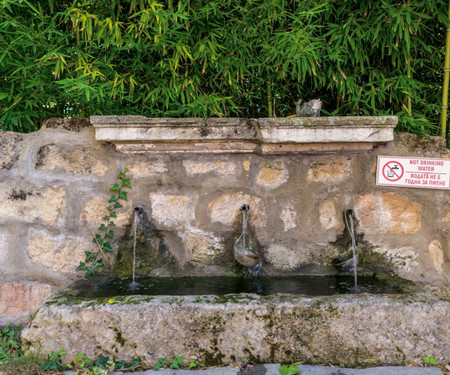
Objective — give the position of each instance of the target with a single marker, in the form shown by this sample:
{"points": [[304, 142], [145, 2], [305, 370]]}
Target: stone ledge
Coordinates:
{"points": [[266, 136], [347, 329]]}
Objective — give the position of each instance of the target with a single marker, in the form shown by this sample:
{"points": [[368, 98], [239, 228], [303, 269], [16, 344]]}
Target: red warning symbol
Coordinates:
{"points": [[393, 171]]}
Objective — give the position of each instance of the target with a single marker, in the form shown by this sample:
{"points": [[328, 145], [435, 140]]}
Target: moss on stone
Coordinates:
{"points": [[152, 251]]}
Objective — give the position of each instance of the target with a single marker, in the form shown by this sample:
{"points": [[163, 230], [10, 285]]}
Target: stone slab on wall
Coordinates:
{"points": [[54, 188], [266, 136]]}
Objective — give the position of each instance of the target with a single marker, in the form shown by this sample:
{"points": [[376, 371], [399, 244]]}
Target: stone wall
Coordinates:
{"points": [[54, 189]]}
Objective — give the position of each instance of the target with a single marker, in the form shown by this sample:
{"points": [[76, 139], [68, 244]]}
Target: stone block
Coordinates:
{"points": [[348, 329], [332, 169], [415, 145], [80, 160], [172, 211], [9, 149], [95, 209], [71, 124], [289, 216], [29, 204], [284, 258], [137, 134], [61, 254], [388, 213], [404, 259], [446, 208], [436, 255], [328, 216], [221, 168], [19, 300], [145, 167], [4, 247], [272, 175], [226, 208], [204, 247], [447, 217]]}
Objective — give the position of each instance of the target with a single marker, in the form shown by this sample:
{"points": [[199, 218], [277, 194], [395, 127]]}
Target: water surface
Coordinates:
{"points": [[306, 285]]}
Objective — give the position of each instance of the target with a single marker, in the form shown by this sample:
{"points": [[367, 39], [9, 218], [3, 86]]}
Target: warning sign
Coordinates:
{"points": [[428, 173], [393, 171]]}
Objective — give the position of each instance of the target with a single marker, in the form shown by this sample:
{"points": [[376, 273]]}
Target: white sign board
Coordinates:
{"points": [[428, 173]]}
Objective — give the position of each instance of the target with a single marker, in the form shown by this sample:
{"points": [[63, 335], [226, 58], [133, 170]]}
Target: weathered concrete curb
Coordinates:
{"points": [[347, 329], [274, 369]]}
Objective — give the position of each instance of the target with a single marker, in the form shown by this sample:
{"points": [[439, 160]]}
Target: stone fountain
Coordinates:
{"points": [[191, 177]]}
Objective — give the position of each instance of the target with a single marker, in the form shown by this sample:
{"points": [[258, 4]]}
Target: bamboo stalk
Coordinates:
{"points": [[408, 68], [269, 99], [446, 81]]}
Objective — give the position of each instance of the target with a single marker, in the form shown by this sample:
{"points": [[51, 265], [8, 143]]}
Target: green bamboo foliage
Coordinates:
{"points": [[446, 81], [210, 58]]}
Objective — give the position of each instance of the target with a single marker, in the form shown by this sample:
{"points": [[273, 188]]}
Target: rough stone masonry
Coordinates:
{"points": [[54, 189]]}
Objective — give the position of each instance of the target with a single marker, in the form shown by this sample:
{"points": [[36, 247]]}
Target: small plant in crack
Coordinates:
{"points": [[95, 260]]}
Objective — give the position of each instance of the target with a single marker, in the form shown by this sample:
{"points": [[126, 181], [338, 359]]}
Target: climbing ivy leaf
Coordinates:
{"points": [[94, 259], [81, 267], [90, 271], [98, 264], [126, 182], [98, 239], [101, 227], [107, 247], [89, 256]]}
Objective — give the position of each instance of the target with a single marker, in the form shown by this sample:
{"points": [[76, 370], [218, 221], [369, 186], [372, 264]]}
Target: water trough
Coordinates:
{"points": [[314, 319]]}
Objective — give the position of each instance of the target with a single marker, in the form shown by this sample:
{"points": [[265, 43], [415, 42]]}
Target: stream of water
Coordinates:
{"points": [[134, 284]]}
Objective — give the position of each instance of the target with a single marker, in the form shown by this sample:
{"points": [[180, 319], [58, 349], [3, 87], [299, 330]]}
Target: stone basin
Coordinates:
{"points": [[352, 330]]}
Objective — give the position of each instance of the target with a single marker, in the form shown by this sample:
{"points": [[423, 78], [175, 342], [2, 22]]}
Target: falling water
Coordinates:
{"points": [[351, 228], [135, 224]]}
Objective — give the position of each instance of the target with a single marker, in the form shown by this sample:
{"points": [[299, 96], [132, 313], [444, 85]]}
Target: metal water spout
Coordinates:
{"points": [[242, 255], [138, 209]]}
